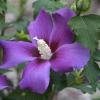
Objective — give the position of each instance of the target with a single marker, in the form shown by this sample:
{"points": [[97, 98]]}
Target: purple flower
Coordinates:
{"points": [[3, 82], [52, 47]]}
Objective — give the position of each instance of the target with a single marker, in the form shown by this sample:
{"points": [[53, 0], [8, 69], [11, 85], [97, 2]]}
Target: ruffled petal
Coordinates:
{"points": [[15, 53], [69, 57], [61, 33], [67, 13], [3, 82], [41, 27], [36, 76]]}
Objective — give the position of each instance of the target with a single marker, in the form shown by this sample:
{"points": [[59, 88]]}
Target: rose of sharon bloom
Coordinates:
{"points": [[51, 47], [3, 82]]}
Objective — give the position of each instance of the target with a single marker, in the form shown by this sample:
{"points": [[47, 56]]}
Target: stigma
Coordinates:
{"points": [[44, 49]]}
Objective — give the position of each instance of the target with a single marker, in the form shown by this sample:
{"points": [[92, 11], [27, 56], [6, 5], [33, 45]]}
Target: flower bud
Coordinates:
{"points": [[81, 6]]}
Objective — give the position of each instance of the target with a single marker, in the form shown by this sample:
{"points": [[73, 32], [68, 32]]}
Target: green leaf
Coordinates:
{"points": [[12, 8], [21, 24], [20, 67], [86, 29], [3, 9], [2, 71], [7, 36], [71, 79], [97, 55], [92, 72], [22, 36], [2, 22], [26, 95], [3, 4], [1, 55], [98, 85], [49, 5], [84, 88], [59, 81]]}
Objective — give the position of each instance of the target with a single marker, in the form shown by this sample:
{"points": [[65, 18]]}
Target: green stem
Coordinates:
{"points": [[2, 22], [52, 94], [78, 12], [22, 7], [2, 16]]}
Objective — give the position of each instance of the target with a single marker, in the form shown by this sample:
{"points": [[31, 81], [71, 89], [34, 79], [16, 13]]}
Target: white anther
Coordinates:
{"points": [[43, 48]]}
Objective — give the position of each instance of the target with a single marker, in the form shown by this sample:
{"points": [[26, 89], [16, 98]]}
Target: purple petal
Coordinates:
{"points": [[3, 82], [70, 56], [66, 13], [41, 27], [36, 76], [15, 53], [61, 33]]}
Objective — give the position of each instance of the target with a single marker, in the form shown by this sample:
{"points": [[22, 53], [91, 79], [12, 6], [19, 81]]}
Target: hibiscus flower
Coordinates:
{"points": [[52, 47]]}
